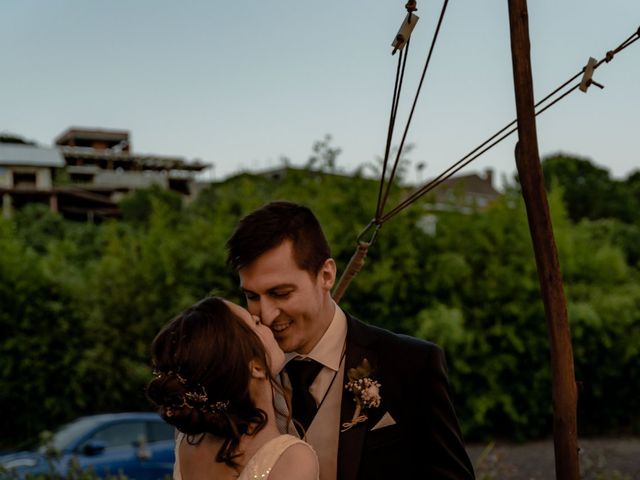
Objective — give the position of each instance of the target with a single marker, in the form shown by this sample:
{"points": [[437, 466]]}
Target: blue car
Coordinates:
{"points": [[138, 445]]}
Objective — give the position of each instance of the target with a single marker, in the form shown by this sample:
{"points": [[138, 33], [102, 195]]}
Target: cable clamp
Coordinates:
{"points": [[404, 32], [587, 77]]}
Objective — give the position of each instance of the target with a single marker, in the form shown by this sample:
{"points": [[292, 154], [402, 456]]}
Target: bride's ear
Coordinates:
{"points": [[257, 370]]}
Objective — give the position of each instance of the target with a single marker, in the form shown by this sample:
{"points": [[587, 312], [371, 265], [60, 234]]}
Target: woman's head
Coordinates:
{"points": [[204, 361]]}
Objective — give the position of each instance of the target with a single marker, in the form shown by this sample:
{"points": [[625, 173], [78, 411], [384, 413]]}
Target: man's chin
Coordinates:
{"points": [[287, 344], [286, 348]]}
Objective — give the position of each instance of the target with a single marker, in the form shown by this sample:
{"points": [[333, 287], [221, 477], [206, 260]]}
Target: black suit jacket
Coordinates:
{"points": [[425, 442]]}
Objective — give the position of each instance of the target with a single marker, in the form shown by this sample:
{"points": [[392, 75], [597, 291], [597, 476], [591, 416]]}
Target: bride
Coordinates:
{"points": [[214, 367]]}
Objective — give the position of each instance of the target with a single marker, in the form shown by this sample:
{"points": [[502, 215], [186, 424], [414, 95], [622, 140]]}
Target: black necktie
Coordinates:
{"points": [[302, 373]]}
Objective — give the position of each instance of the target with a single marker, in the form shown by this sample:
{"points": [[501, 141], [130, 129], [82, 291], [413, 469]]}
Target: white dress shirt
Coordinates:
{"points": [[324, 431]]}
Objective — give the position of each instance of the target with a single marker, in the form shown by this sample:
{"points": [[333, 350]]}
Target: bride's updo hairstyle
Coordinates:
{"points": [[201, 375]]}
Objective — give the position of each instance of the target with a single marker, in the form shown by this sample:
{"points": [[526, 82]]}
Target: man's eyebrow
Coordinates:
{"points": [[272, 289], [282, 286]]}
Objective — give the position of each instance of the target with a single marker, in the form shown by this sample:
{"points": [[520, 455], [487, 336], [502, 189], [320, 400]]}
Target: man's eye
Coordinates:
{"points": [[281, 294], [250, 296]]}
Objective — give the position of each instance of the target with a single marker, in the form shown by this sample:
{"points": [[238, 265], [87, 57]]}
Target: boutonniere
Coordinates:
{"points": [[366, 393]]}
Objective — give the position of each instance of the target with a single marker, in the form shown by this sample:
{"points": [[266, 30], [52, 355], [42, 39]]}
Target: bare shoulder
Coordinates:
{"points": [[299, 461], [197, 461]]}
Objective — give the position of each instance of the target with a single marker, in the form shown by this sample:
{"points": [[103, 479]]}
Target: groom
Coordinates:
{"points": [[373, 404]]}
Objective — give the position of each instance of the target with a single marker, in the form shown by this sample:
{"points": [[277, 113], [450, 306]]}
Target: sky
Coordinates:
{"points": [[242, 84]]}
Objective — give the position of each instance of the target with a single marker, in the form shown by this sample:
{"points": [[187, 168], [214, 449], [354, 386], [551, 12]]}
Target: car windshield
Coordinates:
{"points": [[69, 433]]}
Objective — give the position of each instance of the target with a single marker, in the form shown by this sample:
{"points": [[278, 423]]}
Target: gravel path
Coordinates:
{"points": [[600, 459]]}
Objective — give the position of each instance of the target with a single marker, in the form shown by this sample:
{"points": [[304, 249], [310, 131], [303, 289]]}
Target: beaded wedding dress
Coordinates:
{"points": [[261, 463]]}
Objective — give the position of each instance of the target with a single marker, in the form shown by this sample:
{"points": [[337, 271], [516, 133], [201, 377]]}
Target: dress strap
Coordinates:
{"points": [[260, 465], [176, 466]]}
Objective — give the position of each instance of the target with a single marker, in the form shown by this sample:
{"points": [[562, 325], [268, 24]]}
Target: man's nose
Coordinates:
{"points": [[268, 311]]}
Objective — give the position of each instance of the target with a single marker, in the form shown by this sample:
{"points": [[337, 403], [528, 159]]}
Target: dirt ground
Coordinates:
{"points": [[600, 459]]}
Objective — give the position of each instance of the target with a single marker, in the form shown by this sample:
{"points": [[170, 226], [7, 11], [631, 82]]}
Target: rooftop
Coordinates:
{"points": [[154, 162], [29, 155], [75, 134], [472, 183]]}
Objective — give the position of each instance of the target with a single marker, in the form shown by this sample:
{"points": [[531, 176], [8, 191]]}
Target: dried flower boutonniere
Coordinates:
{"points": [[366, 392]]}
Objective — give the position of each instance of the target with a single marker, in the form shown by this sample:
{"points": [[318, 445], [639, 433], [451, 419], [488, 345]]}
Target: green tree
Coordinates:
{"points": [[40, 344], [80, 303], [589, 191]]}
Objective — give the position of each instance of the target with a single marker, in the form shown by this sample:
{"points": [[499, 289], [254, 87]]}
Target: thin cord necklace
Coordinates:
{"points": [[335, 374]]}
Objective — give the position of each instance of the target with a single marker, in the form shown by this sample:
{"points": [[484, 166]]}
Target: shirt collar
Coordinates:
{"points": [[328, 350]]}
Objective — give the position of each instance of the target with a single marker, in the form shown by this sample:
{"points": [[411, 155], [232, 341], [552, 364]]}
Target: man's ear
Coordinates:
{"points": [[257, 370], [327, 274]]}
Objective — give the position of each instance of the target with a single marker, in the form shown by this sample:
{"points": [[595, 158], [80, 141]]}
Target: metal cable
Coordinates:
{"points": [[374, 226], [469, 157], [402, 61], [413, 107], [466, 160]]}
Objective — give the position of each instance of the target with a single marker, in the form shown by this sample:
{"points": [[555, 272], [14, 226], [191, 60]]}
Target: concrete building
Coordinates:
{"points": [[26, 175], [87, 173]]}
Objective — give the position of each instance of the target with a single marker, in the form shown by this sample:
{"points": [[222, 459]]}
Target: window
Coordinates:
{"points": [[120, 434], [68, 434], [24, 179], [81, 177], [159, 431], [180, 185]]}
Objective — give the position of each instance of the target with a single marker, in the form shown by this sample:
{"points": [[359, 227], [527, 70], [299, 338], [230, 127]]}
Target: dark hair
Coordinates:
{"points": [[207, 349], [274, 223]]}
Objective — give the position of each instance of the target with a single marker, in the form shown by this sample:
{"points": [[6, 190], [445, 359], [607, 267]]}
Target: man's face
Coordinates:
{"points": [[275, 356], [294, 303]]}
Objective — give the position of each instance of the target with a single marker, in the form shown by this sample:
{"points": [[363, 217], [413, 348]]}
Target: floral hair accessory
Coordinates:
{"points": [[366, 393], [196, 398], [160, 374]]}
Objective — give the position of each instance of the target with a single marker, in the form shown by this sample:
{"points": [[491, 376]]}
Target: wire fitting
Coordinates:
{"points": [[587, 79], [371, 231], [402, 37]]}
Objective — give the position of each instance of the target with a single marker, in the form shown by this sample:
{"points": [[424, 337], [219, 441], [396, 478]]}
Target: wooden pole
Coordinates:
{"points": [[532, 182]]}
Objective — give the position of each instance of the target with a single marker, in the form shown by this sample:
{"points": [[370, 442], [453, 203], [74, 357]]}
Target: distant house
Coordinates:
{"points": [[28, 167], [461, 194], [464, 193], [87, 173], [26, 175]]}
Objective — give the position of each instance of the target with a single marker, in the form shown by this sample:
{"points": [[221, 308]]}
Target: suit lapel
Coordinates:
{"points": [[351, 441]]}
